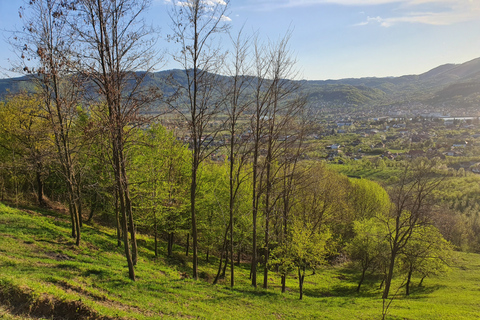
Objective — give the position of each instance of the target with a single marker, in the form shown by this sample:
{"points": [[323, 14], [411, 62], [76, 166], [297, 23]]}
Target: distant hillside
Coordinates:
{"points": [[447, 84]]}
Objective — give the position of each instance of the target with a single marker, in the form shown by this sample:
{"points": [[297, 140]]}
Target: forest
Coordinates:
{"points": [[217, 165]]}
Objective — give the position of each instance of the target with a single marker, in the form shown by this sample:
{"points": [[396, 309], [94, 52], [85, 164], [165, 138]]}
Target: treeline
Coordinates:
{"points": [[85, 140]]}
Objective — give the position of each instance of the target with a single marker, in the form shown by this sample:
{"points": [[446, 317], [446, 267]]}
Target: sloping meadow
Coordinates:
{"points": [[43, 274]]}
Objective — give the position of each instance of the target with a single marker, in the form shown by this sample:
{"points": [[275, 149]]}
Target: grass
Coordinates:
{"points": [[40, 264]]}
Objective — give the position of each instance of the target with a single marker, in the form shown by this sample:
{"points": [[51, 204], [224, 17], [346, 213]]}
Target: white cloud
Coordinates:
{"points": [[189, 3], [433, 12], [214, 2], [225, 18]]}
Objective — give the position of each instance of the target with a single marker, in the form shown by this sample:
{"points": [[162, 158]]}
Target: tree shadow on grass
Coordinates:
{"points": [[422, 292]]}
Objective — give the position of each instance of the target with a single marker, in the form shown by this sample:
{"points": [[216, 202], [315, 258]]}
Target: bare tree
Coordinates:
{"points": [[238, 103], [115, 53], [195, 24], [45, 40], [276, 103]]}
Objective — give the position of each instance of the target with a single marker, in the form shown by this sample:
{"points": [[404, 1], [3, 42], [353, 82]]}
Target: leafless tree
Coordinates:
{"points": [[195, 24], [115, 52], [237, 103], [277, 102], [45, 47]]}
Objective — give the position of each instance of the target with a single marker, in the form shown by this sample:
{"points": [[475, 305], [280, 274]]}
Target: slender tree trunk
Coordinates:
{"points": [[389, 276], [232, 272], [72, 219], [267, 223], [219, 270], [170, 244], [78, 198], [239, 255], [117, 218], [223, 253], [120, 185], [226, 264], [188, 244], [129, 211], [283, 283], [41, 201], [361, 279], [421, 281], [407, 285], [253, 272], [301, 277], [92, 208], [77, 224], [155, 231], [193, 190]]}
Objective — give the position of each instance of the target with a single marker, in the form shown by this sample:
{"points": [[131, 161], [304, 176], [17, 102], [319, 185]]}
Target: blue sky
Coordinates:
{"points": [[335, 39]]}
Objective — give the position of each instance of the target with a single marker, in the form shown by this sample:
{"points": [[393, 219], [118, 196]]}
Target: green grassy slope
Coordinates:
{"points": [[43, 273]]}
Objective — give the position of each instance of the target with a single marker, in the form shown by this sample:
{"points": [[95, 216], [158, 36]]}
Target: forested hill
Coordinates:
{"points": [[447, 84]]}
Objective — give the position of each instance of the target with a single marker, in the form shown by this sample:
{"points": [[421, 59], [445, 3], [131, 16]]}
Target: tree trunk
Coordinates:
{"points": [[41, 201], [421, 281], [219, 268], [72, 219], [170, 244], [117, 218], [301, 277], [225, 265], [239, 255], [361, 279], [407, 285], [131, 224], [155, 232], [283, 283], [77, 224], [193, 190], [79, 202], [120, 184], [232, 271], [188, 244], [253, 270], [206, 258], [388, 279]]}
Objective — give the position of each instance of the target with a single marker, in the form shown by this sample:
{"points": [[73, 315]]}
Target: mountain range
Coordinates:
{"points": [[449, 84]]}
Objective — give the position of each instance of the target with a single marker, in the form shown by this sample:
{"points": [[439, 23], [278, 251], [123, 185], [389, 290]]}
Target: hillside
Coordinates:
{"points": [[45, 275], [447, 84]]}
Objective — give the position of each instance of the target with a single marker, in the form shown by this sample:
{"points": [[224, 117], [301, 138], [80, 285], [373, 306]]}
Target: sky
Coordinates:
{"points": [[334, 39]]}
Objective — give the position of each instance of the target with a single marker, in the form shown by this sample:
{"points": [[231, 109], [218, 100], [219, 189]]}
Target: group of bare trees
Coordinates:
{"points": [[89, 53], [96, 54]]}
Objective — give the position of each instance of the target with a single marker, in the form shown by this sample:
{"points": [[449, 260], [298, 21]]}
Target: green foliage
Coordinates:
{"points": [[304, 247], [369, 247], [426, 253], [368, 199], [160, 181]]}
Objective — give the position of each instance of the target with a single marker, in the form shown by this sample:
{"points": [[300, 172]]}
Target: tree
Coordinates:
{"points": [[160, 173], [113, 46], [368, 247], [306, 247], [25, 132], [195, 24], [411, 209], [46, 39], [276, 104], [427, 253], [238, 147], [368, 198]]}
